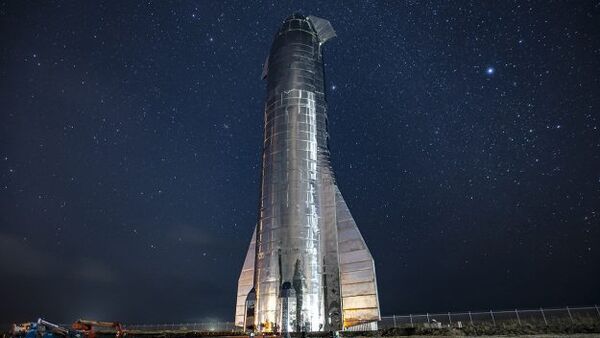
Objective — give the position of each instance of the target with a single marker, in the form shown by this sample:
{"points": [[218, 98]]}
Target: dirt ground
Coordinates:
{"points": [[587, 335]]}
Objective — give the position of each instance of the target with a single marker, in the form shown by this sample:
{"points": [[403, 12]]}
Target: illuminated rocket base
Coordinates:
{"points": [[307, 267]]}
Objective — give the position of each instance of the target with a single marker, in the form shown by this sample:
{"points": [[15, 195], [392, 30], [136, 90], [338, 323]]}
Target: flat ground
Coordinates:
{"points": [[590, 335], [580, 335]]}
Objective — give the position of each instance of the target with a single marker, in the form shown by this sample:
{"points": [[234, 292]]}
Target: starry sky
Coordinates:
{"points": [[465, 139]]}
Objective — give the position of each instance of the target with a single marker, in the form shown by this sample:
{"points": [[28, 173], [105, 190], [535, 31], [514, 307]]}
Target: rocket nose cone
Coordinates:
{"points": [[296, 22], [296, 16]]}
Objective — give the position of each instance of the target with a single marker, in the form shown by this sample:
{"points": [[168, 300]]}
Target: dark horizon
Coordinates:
{"points": [[465, 138]]}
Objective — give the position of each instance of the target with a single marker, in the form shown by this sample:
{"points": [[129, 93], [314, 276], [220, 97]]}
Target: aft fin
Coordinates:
{"points": [[245, 283], [360, 303]]}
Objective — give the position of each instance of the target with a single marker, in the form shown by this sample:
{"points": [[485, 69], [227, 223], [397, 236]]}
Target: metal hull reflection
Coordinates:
{"points": [[307, 267]]}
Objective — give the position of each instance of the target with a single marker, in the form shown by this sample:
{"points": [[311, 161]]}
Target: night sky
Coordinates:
{"points": [[465, 139]]}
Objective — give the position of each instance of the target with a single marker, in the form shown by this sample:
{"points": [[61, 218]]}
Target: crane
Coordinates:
{"points": [[42, 328]]}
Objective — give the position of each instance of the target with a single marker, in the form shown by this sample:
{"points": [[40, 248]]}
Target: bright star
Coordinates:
{"points": [[490, 71], [333, 87]]}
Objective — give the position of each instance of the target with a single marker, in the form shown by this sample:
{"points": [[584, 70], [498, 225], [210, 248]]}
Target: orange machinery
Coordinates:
{"points": [[87, 327]]}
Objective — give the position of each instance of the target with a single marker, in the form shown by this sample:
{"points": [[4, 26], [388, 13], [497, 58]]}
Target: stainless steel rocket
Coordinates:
{"points": [[308, 267]]}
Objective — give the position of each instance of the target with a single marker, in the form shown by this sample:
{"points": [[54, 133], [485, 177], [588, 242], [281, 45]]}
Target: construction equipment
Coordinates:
{"points": [[88, 328], [42, 328], [19, 330]]}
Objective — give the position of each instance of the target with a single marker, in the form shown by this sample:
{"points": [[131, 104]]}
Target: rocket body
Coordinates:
{"points": [[293, 277]]}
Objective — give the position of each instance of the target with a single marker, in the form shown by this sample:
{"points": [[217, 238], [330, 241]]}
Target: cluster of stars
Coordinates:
{"points": [[464, 138]]}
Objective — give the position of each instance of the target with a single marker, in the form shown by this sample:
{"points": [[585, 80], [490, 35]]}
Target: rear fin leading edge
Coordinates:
{"points": [[245, 283]]}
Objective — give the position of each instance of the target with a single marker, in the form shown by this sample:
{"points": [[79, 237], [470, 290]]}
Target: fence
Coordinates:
{"points": [[433, 320], [215, 326], [540, 315]]}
